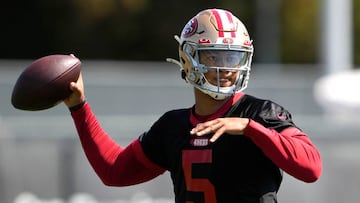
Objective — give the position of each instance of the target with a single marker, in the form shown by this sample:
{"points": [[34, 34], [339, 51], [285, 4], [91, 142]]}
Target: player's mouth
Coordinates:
{"points": [[225, 82]]}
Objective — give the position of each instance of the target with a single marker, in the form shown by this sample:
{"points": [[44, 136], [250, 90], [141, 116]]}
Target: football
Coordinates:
{"points": [[45, 82]]}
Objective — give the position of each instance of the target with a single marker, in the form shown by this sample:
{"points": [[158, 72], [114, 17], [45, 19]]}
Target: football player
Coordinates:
{"points": [[228, 147]]}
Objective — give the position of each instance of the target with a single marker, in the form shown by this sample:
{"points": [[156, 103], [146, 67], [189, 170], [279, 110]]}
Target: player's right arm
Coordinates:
{"points": [[115, 166]]}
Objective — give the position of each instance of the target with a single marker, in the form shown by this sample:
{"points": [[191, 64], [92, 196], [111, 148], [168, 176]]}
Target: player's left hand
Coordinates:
{"points": [[219, 126]]}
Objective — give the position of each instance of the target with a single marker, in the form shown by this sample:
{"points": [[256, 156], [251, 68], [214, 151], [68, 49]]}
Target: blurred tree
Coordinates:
{"points": [[299, 31], [144, 29], [98, 29]]}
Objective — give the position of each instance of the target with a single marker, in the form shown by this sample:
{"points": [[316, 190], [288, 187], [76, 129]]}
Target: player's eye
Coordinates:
{"points": [[212, 59], [233, 60]]}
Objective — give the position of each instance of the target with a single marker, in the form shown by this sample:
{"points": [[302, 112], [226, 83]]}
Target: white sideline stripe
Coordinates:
{"points": [[123, 127]]}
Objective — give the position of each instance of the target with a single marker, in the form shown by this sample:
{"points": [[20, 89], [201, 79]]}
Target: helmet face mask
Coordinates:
{"points": [[215, 41]]}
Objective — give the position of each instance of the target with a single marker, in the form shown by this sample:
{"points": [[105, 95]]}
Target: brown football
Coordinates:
{"points": [[45, 82]]}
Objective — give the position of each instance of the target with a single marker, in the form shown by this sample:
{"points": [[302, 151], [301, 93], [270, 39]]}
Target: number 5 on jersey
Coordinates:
{"points": [[189, 158]]}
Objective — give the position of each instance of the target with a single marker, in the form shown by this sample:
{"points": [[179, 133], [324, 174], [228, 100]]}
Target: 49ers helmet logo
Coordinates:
{"points": [[190, 28]]}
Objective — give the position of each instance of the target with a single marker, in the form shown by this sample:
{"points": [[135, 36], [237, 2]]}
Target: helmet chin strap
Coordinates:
{"points": [[182, 71]]}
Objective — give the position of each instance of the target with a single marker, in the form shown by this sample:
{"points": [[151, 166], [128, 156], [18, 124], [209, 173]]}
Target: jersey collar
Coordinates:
{"points": [[196, 119]]}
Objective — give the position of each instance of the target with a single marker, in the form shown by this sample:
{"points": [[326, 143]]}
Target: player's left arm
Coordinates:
{"points": [[290, 149]]}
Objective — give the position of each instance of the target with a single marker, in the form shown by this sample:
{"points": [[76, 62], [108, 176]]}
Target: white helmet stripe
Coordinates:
{"points": [[224, 22]]}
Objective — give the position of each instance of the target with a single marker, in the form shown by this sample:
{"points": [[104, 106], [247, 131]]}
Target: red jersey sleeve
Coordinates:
{"points": [[291, 150], [115, 165]]}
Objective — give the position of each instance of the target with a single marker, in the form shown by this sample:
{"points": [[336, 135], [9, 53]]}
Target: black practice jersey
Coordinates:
{"points": [[232, 169]]}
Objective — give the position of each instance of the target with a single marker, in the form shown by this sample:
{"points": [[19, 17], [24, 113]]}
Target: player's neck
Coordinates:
{"points": [[206, 105]]}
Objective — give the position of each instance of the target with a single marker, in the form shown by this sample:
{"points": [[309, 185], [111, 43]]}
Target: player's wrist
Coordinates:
{"points": [[77, 106]]}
